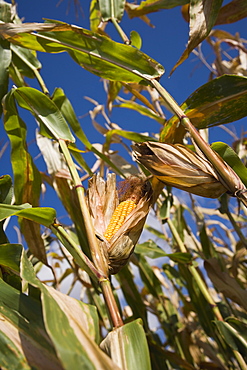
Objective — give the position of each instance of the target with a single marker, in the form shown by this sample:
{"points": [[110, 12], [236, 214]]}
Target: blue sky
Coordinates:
{"points": [[164, 43]]}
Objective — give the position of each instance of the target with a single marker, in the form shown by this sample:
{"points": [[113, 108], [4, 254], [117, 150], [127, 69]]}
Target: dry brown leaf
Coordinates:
{"points": [[224, 283], [11, 29], [203, 15], [178, 166]]}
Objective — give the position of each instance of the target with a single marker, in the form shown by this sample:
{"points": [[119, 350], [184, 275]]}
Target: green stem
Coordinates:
{"points": [[122, 34], [84, 262], [200, 283], [170, 103], [41, 81], [97, 254], [81, 259], [35, 71], [111, 303], [17, 75], [100, 266]]}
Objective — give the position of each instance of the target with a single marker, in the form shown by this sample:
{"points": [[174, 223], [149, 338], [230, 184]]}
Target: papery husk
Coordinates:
{"points": [[178, 166], [102, 201], [122, 244]]}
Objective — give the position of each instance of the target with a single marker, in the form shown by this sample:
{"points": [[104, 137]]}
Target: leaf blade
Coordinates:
{"points": [[220, 101], [231, 158], [74, 351], [96, 53], [127, 346], [45, 111], [111, 9], [203, 15], [44, 215]]}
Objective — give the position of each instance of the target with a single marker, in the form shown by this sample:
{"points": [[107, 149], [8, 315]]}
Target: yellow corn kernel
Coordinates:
{"points": [[118, 217]]}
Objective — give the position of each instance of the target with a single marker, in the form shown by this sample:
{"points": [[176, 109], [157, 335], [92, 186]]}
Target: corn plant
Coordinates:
{"points": [[162, 276]]}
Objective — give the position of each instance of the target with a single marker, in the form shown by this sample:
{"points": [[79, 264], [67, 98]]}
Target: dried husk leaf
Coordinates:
{"points": [[102, 201], [123, 242], [178, 166]]}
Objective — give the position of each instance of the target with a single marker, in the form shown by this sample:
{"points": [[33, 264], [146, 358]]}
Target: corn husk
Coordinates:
{"points": [[178, 166], [102, 201]]}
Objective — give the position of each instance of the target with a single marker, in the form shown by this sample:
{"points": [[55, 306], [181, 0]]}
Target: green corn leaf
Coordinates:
{"points": [[151, 250], [44, 216], [25, 60], [231, 157], [8, 210], [65, 106], [96, 299], [6, 196], [67, 326], [131, 135], [239, 325], [95, 15], [233, 331], [52, 123], [149, 278], [25, 172], [5, 52], [6, 189], [128, 347], [23, 323], [140, 109], [96, 53], [11, 357], [200, 305], [155, 232], [220, 101], [111, 9], [136, 39], [10, 256], [132, 295], [5, 57], [27, 179]]}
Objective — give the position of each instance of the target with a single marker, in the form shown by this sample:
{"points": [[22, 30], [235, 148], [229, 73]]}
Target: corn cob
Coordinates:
{"points": [[118, 217]]}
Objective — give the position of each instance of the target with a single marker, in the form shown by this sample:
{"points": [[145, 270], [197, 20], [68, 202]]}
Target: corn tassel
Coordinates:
{"points": [[118, 217]]}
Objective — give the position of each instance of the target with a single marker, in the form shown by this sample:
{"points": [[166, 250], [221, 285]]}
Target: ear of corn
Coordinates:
{"points": [[118, 217], [176, 165]]}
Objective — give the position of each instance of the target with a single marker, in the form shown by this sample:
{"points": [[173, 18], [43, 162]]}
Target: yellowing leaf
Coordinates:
{"points": [[94, 52], [203, 15]]}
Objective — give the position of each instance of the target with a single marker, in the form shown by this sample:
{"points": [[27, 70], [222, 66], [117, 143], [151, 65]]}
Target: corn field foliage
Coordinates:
{"points": [[165, 288]]}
